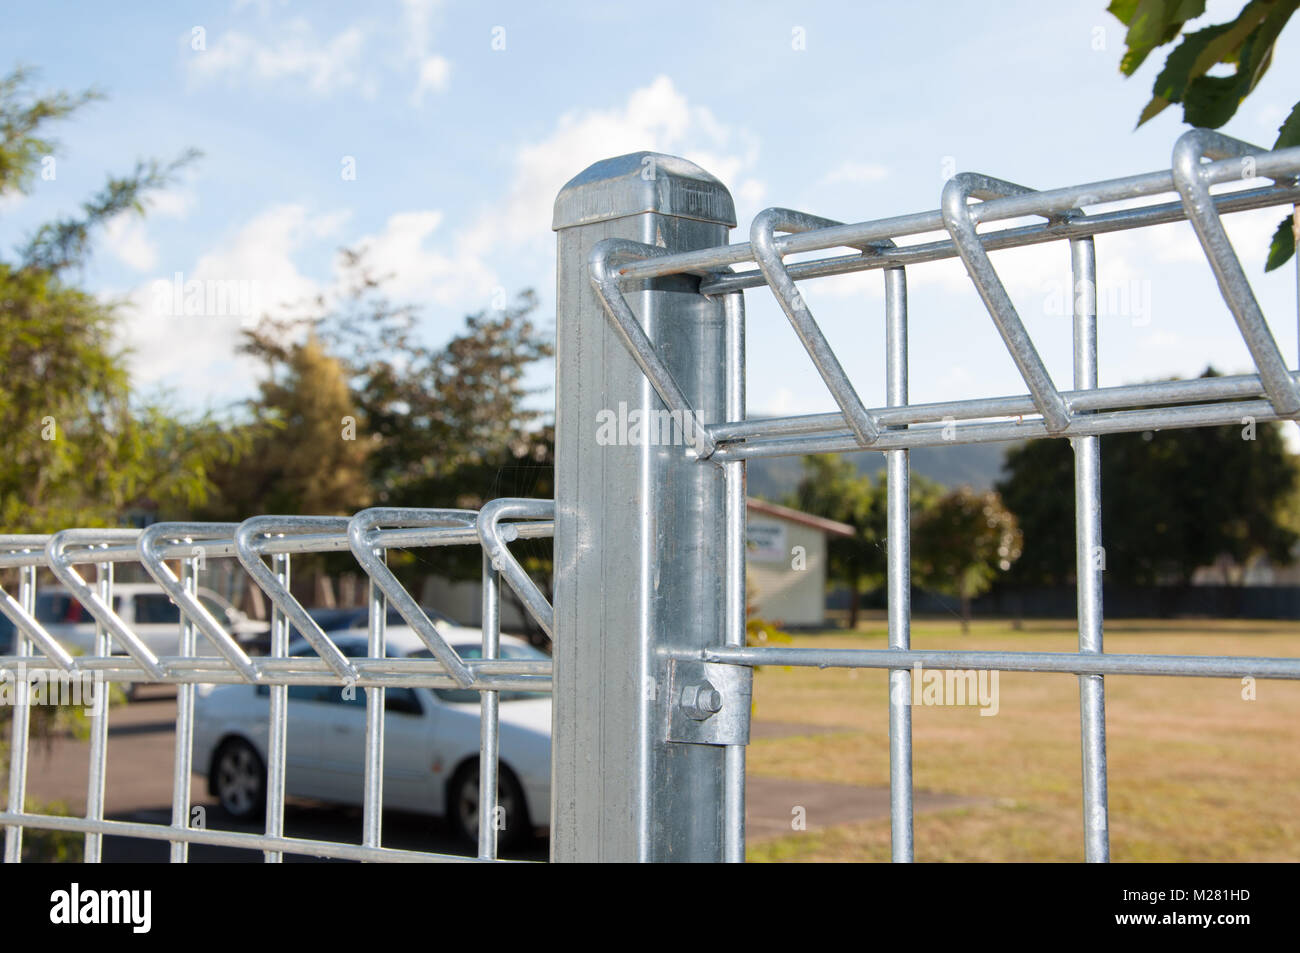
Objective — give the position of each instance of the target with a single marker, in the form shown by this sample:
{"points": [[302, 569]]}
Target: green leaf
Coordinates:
{"points": [[1246, 43], [1172, 81], [1122, 10], [1153, 109], [1282, 247], [1151, 23], [1210, 101], [1288, 134]]}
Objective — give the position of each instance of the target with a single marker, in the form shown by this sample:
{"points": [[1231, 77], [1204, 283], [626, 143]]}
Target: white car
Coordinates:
{"points": [[431, 742], [147, 610]]}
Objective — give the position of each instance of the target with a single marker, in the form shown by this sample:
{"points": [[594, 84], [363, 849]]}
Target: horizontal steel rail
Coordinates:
{"points": [[1073, 663], [708, 263], [930, 435], [217, 838]]}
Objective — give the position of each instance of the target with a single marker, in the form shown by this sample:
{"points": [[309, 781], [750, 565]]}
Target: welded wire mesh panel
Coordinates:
{"points": [[652, 692], [1081, 412], [41, 666]]}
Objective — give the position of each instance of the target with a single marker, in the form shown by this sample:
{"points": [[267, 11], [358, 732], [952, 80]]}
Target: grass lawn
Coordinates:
{"points": [[1196, 772]]}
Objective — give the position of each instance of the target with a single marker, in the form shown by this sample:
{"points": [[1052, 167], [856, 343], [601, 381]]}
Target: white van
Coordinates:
{"points": [[147, 610]]}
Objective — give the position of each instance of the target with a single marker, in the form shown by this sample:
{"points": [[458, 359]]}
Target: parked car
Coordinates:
{"points": [[431, 743], [150, 613]]}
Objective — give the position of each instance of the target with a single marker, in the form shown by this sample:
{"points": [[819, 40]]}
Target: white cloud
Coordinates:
{"points": [[417, 24], [11, 199], [433, 72], [127, 234], [455, 271], [128, 241], [195, 353], [855, 173], [419, 271], [172, 203], [324, 65], [435, 76], [656, 117]]}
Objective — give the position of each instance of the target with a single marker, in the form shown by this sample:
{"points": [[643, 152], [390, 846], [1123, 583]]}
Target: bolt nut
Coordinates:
{"points": [[701, 701]]}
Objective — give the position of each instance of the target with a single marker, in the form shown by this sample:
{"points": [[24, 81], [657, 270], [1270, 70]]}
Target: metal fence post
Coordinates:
{"points": [[639, 524]]}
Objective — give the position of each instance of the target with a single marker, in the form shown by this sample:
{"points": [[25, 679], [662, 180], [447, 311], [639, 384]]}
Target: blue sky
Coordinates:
{"points": [[461, 141]]}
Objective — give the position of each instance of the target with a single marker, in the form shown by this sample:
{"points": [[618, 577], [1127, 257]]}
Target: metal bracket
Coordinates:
{"points": [[708, 703]]}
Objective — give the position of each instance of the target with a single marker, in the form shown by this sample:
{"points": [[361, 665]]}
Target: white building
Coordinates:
{"points": [[786, 573], [786, 565]]}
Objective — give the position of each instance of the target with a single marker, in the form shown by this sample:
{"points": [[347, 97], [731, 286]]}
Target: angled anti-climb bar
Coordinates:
{"points": [[362, 538], [1194, 188], [62, 562], [762, 239], [603, 264], [957, 219], [149, 545], [250, 544], [31, 550], [494, 537]]}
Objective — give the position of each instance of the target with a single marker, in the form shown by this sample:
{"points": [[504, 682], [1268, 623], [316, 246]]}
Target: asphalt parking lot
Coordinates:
{"points": [[141, 745], [138, 788]]}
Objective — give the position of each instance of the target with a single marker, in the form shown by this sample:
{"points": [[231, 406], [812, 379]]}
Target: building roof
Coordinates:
{"points": [[829, 527]]}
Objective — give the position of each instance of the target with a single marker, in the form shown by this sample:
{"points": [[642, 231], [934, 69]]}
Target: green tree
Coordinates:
{"points": [[443, 419], [1172, 502], [444, 425], [1194, 74], [833, 487], [961, 542], [308, 447], [79, 448]]}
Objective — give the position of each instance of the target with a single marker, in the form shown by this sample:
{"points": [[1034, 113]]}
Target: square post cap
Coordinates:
{"points": [[643, 182]]}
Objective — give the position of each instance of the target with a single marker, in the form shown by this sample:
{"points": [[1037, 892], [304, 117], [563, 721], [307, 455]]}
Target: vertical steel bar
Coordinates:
{"points": [[183, 760], [1089, 559], [376, 647], [278, 726], [734, 475], [899, 573], [640, 548], [94, 852], [489, 718], [21, 726]]}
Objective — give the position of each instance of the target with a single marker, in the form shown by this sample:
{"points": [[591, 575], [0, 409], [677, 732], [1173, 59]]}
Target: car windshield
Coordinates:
{"points": [[467, 695], [59, 608]]}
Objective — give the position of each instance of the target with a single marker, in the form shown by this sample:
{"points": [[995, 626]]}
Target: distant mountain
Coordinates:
{"points": [[977, 465]]}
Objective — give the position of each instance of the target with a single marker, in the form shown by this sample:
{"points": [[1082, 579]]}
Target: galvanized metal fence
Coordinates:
{"points": [[368, 535], [650, 540], [652, 677]]}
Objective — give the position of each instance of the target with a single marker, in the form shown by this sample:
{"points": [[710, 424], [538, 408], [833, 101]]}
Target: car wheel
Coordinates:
{"points": [[462, 807], [239, 780]]}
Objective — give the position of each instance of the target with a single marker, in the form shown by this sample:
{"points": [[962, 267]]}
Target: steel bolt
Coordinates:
{"points": [[701, 701]]}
